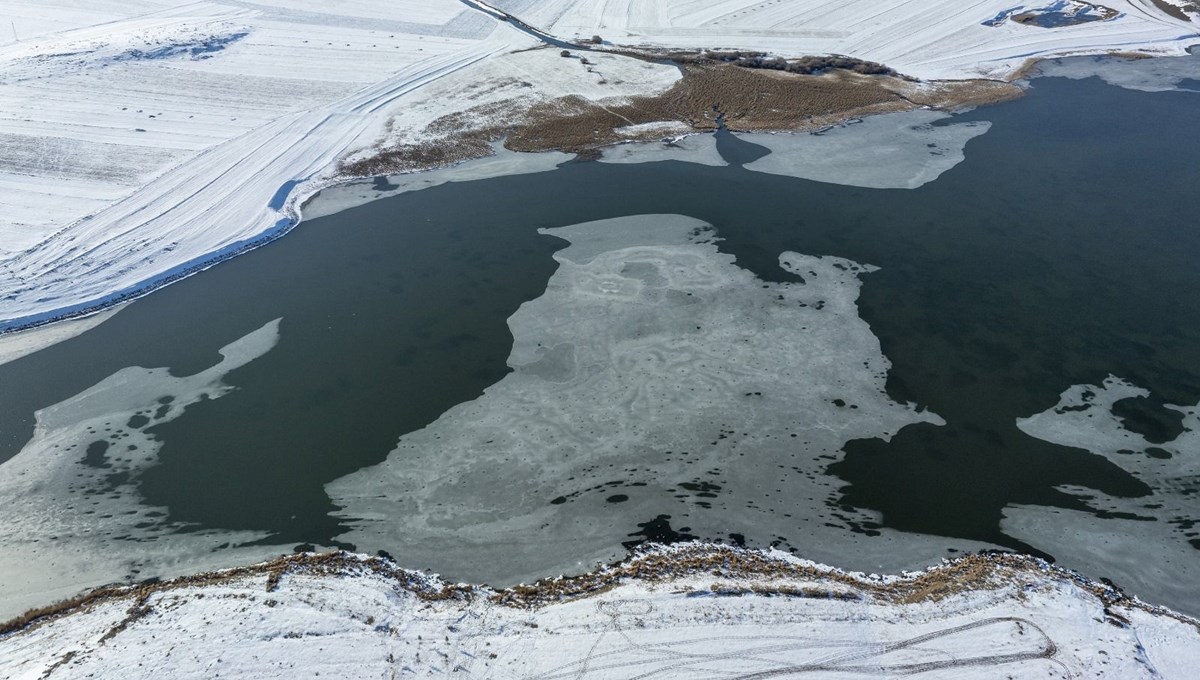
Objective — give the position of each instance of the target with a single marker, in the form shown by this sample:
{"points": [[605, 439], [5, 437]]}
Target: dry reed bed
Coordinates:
{"points": [[746, 98]]}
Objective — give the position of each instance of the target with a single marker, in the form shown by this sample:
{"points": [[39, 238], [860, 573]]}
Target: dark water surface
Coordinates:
{"points": [[1063, 249]]}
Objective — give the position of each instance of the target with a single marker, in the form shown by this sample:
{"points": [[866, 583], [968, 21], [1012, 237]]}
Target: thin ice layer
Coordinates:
{"points": [[654, 377], [80, 521], [1115, 541], [893, 151], [693, 148], [1146, 75], [503, 164], [13, 346]]}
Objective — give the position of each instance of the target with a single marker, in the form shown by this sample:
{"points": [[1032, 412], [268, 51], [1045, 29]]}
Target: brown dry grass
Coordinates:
{"points": [[954, 95], [414, 157], [750, 99], [1130, 55]]}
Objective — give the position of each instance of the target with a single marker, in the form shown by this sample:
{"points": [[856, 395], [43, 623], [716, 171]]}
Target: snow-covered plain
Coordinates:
{"points": [[138, 147], [928, 39], [687, 611], [142, 140]]}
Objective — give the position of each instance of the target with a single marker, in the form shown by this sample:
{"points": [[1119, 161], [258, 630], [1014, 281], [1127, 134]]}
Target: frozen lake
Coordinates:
{"points": [[871, 377]]}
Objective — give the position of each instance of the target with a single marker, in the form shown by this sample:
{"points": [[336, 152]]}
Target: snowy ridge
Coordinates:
{"points": [[684, 611]]}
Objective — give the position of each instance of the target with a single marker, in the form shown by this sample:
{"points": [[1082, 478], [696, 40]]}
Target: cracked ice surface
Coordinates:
{"points": [[653, 377], [80, 521], [1165, 523]]}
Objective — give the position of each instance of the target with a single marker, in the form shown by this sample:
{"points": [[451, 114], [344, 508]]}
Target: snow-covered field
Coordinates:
{"points": [[141, 140], [928, 39], [687, 611], [135, 146]]}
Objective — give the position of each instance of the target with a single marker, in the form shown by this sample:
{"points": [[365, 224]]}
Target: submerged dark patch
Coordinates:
{"points": [[1149, 417], [96, 454], [658, 530]]}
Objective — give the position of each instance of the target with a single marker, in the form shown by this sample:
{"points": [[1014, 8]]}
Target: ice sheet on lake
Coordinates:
{"points": [[1165, 523], [893, 151], [504, 163], [1147, 75], [654, 376], [694, 148], [79, 521], [13, 346]]}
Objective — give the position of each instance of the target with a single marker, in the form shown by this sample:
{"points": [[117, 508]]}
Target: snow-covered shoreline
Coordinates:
{"points": [[686, 610], [232, 117]]}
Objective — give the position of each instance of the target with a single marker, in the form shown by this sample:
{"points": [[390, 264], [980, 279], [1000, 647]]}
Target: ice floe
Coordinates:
{"points": [[1147, 75], [653, 377], [73, 516], [892, 151], [1115, 539], [701, 148]]}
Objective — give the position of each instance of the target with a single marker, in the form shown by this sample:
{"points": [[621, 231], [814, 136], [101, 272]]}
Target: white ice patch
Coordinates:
{"points": [[1160, 524], [73, 517], [13, 346], [1083, 418], [654, 376], [1146, 75], [892, 151], [701, 148], [504, 163]]}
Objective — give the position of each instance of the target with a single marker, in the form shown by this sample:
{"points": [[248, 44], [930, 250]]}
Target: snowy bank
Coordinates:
{"points": [[690, 610]]}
